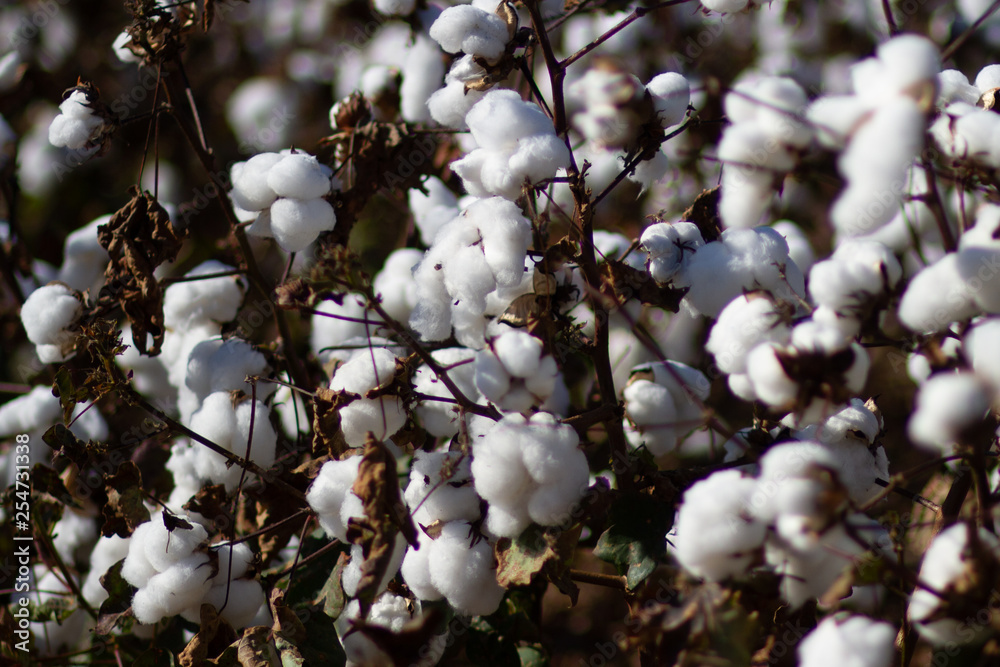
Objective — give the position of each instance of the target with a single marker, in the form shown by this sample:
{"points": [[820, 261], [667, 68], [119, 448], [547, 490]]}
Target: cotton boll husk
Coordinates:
{"points": [[251, 190], [947, 404], [463, 572], [848, 641], [936, 297], [947, 566], [742, 325], [716, 536], [299, 176], [193, 302], [470, 30], [328, 492], [295, 223]]}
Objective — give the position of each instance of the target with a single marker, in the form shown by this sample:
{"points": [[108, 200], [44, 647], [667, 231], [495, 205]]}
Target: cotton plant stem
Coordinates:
{"points": [[599, 579]]}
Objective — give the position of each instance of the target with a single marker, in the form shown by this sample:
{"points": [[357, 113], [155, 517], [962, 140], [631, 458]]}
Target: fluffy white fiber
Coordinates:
{"points": [[660, 405], [848, 641], [382, 416], [514, 373], [47, 315]]}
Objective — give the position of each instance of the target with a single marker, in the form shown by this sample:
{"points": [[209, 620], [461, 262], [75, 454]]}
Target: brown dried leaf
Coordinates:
{"points": [[214, 635], [408, 646], [255, 648], [139, 237], [626, 282], [125, 509], [704, 212], [328, 438]]}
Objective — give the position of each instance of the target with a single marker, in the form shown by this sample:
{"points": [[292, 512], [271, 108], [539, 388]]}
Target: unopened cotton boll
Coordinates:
{"points": [[947, 404], [716, 536], [472, 31], [951, 567], [848, 641], [47, 314], [382, 416]]}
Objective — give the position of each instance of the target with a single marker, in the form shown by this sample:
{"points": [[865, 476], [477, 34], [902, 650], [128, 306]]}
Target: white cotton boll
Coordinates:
{"points": [[671, 95], [137, 569], [652, 416], [767, 376], [437, 417], [107, 552], [299, 176], [724, 6], [73, 534], [422, 74], [433, 210], [978, 267], [470, 30], [382, 416], [519, 352], [251, 190], [46, 315], [183, 584], [351, 577], [772, 104], [907, 61], [123, 53], [464, 572], [265, 439], [74, 133], [216, 418], [327, 494], [431, 497], [947, 566], [742, 325], [981, 349], [716, 536], [799, 249], [668, 247], [986, 231], [936, 297], [192, 302], [295, 223], [450, 105], [416, 570], [223, 365], [514, 374], [260, 111], [394, 283], [988, 79], [333, 324], [242, 598], [395, 7], [84, 259], [164, 547], [836, 118], [712, 285], [850, 435], [848, 641], [953, 86], [946, 405]]}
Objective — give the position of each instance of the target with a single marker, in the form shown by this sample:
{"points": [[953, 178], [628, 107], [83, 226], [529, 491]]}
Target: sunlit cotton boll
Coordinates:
{"points": [[382, 416], [848, 641], [433, 496], [717, 537], [328, 493], [955, 288], [47, 314], [946, 405], [77, 126], [514, 373], [742, 325], [659, 409], [472, 31], [669, 246], [441, 418]]}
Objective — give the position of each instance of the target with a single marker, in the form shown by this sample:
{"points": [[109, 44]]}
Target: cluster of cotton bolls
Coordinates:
{"points": [[793, 516], [288, 190], [662, 404], [516, 145], [77, 126], [760, 146], [879, 129], [478, 255], [964, 130], [173, 572], [382, 415]]}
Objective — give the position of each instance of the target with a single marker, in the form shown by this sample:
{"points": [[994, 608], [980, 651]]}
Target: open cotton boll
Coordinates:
{"points": [[439, 418], [394, 283], [953, 567], [773, 105], [937, 296], [724, 6], [382, 416], [716, 537], [658, 409], [472, 31], [981, 349], [836, 117], [987, 79], [953, 86], [164, 547], [327, 493], [671, 95], [799, 249], [295, 223], [850, 435], [422, 74], [251, 190], [416, 569], [182, 584], [669, 246], [946, 405], [238, 601], [742, 325], [47, 314], [299, 176], [77, 126], [514, 374], [848, 641], [450, 105], [390, 612], [463, 572], [51, 637], [332, 324], [193, 302], [84, 259], [223, 365], [986, 231], [351, 577], [433, 496], [106, 552], [433, 210]]}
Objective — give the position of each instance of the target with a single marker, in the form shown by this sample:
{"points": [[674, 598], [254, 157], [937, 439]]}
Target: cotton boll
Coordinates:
{"points": [[724, 6], [422, 74], [192, 302], [799, 249], [384, 415], [742, 325], [987, 79], [47, 314], [238, 601], [223, 365], [669, 246], [394, 283], [433, 210], [853, 641], [980, 347], [416, 570], [433, 497], [953, 86], [333, 324], [295, 223], [936, 297], [299, 176], [947, 404], [84, 259], [470, 30], [164, 547], [671, 95], [450, 105], [463, 572], [836, 118], [352, 575], [514, 374], [183, 584], [716, 536], [264, 442], [951, 566], [251, 190], [437, 417], [107, 552], [327, 493]]}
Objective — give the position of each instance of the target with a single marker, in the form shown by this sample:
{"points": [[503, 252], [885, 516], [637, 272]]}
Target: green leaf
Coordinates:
{"points": [[532, 656], [537, 550], [635, 541]]}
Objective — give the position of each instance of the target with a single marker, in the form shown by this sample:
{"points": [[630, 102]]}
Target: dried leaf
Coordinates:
{"points": [[704, 213], [254, 648], [139, 237], [626, 282], [213, 633], [408, 645], [125, 510], [119, 600]]}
